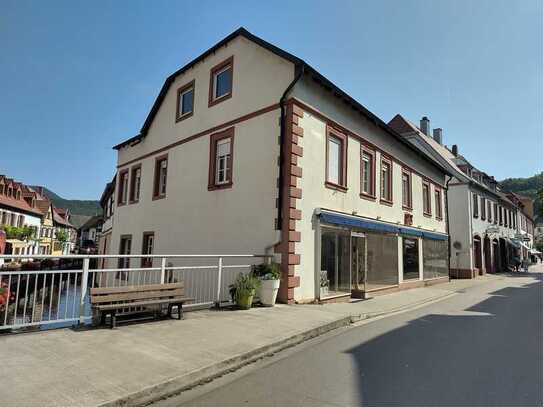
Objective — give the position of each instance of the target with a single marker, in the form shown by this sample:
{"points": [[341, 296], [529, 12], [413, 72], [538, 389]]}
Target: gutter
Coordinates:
{"points": [[300, 71]]}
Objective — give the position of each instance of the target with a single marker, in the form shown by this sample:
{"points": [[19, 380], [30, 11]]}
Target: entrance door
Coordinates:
{"points": [[358, 262]]}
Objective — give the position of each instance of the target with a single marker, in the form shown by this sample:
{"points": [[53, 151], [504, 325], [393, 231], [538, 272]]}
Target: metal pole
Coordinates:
{"points": [[84, 281], [219, 278], [162, 270]]}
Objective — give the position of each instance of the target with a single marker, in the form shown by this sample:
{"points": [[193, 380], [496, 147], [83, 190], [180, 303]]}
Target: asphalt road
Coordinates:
{"points": [[482, 347]]}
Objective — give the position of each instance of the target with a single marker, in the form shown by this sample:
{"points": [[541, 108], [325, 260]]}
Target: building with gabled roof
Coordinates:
{"points": [[248, 149], [484, 221]]}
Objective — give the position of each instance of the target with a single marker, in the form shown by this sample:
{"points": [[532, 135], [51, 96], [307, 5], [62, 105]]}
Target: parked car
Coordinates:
{"points": [[88, 247]]}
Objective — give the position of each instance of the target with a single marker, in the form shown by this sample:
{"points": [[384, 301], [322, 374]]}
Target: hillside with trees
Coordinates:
{"points": [[531, 186], [76, 206]]}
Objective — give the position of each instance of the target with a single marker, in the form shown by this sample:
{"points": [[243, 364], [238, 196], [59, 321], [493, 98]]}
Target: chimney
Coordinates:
{"points": [[438, 135], [425, 125], [455, 150]]}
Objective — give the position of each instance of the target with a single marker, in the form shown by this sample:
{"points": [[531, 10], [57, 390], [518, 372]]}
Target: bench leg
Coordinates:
{"points": [[180, 311], [113, 320], [170, 310]]}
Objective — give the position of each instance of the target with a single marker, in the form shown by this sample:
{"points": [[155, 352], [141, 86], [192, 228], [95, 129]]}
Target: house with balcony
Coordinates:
{"points": [[482, 217], [248, 149]]}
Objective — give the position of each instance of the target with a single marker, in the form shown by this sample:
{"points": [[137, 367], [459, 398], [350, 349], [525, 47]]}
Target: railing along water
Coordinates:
{"points": [[46, 291]]}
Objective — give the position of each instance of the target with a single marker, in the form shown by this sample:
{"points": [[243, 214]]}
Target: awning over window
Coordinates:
{"points": [[373, 225]]}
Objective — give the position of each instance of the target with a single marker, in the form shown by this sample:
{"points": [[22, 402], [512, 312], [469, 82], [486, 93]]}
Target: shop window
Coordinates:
{"points": [[335, 262], [434, 258]]}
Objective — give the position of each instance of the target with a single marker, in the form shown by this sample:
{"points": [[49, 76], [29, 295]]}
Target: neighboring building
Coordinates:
{"points": [[24, 206], [483, 219], [18, 208], [248, 150], [61, 223], [91, 230], [525, 224], [538, 230], [107, 202]]}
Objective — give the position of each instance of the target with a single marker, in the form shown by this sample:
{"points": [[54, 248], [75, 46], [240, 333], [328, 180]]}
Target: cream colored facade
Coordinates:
{"points": [[191, 219], [241, 219]]}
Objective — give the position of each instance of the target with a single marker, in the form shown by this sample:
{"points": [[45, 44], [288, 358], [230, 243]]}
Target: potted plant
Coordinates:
{"points": [[269, 275], [243, 290], [325, 283]]}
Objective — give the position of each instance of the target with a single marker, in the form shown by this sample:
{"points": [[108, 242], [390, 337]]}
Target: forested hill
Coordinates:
{"points": [[532, 187], [76, 206]]}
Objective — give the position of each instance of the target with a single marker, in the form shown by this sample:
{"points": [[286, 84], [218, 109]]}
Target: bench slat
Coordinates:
{"points": [[144, 295], [135, 288], [142, 303]]}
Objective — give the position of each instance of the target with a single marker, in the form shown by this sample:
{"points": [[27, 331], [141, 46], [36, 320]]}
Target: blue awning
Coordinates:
{"points": [[373, 225]]}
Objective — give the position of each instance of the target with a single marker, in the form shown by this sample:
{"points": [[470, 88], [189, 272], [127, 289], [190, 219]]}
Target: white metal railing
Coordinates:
{"points": [[56, 295]]}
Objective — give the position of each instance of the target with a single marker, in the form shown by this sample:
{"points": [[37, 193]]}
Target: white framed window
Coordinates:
{"points": [[220, 86], [185, 101], [222, 161]]}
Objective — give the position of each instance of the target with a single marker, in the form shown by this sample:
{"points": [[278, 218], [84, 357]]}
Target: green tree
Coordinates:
{"points": [[62, 236]]}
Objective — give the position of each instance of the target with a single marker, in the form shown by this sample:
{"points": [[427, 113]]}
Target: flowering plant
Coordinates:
{"points": [[5, 294]]}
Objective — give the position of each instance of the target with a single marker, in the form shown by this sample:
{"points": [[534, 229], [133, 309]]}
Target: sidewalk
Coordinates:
{"points": [[142, 362]]}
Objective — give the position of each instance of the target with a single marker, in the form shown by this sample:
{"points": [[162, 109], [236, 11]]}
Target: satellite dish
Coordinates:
{"points": [[457, 245]]}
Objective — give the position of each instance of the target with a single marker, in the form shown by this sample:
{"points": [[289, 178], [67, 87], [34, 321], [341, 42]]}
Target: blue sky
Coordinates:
{"points": [[78, 77]]}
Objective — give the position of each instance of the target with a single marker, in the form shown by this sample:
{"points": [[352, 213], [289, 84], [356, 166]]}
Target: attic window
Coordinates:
{"points": [[185, 101], [220, 82]]}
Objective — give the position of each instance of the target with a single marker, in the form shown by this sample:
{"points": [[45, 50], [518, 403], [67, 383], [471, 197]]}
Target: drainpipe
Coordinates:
{"points": [[447, 220], [300, 69]]}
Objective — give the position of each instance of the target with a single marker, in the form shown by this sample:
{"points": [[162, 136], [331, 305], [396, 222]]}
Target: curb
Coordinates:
{"points": [[206, 374]]}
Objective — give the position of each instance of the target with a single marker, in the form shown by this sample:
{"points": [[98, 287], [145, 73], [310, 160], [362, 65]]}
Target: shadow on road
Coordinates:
{"points": [[490, 354]]}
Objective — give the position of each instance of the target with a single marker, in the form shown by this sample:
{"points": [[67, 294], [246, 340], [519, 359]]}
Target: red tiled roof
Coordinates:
{"points": [[20, 204], [58, 218]]}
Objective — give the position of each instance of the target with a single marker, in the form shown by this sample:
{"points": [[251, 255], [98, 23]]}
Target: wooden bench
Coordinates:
{"points": [[136, 298]]}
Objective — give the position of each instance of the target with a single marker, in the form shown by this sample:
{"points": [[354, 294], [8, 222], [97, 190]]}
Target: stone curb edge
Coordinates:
{"points": [[206, 374]]}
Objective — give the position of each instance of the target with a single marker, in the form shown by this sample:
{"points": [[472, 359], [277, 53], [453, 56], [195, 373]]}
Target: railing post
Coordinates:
{"points": [[163, 270], [219, 279], [84, 282]]}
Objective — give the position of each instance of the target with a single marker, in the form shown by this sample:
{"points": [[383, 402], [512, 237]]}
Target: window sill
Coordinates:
{"points": [[407, 208], [157, 197], [216, 101], [385, 202], [368, 197], [213, 187], [121, 204], [336, 187], [183, 117], [428, 215], [439, 218], [133, 202]]}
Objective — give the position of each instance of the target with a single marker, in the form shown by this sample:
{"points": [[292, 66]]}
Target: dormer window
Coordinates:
{"points": [[221, 78], [10, 192]]}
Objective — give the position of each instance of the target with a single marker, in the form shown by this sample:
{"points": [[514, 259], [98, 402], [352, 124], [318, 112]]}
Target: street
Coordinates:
{"points": [[481, 347]]}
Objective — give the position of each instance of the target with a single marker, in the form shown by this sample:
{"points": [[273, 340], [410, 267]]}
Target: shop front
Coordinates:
{"points": [[360, 257]]}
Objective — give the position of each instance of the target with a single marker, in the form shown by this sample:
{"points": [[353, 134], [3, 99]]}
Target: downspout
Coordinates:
{"points": [[300, 68], [447, 225]]}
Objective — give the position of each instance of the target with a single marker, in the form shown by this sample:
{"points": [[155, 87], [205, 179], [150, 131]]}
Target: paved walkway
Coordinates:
{"points": [[142, 361]]}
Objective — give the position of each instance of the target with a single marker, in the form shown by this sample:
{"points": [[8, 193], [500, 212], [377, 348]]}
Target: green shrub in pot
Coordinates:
{"points": [[243, 290]]}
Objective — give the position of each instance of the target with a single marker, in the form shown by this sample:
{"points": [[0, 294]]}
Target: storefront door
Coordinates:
{"points": [[358, 262]]}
